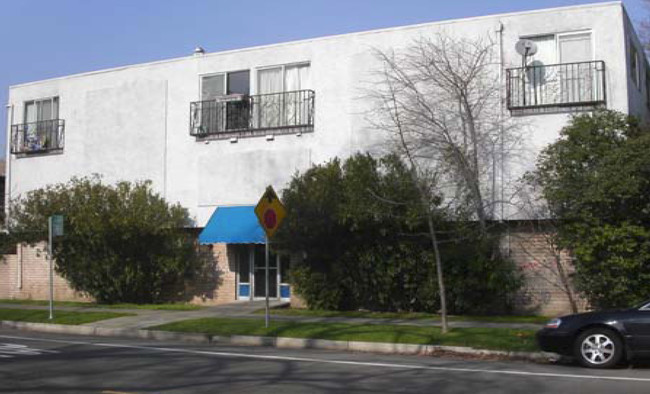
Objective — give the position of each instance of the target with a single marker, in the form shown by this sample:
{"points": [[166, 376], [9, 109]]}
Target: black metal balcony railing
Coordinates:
{"points": [[569, 85], [242, 115], [38, 137]]}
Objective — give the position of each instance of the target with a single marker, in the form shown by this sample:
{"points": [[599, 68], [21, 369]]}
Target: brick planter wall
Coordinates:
{"points": [[218, 285], [25, 275], [542, 293]]}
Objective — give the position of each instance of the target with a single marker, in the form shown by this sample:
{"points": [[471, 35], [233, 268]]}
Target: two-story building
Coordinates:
{"points": [[212, 130]]}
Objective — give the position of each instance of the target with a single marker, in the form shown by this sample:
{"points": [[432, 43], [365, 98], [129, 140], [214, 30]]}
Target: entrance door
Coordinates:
{"points": [[243, 256], [285, 288], [260, 274], [251, 275]]}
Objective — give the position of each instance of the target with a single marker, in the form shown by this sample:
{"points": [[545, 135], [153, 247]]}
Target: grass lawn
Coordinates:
{"points": [[404, 315], [483, 338], [166, 307], [60, 317]]}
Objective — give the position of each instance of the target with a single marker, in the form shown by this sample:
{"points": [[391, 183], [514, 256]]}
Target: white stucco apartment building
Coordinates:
{"points": [[214, 129]]}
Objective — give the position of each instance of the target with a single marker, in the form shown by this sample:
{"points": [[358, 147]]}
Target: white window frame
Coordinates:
{"points": [[42, 99], [558, 35], [225, 80]]}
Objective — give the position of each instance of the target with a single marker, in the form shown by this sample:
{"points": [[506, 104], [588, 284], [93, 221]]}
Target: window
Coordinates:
{"points": [[289, 108], [41, 129], [562, 73], [647, 85], [219, 85], [283, 103], [224, 103], [562, 48], [574, 47], [42, 110], [283, 78], [634, 63]]}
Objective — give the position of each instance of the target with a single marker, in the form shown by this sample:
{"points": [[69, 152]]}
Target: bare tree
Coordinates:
{"points": [[440, 99]]}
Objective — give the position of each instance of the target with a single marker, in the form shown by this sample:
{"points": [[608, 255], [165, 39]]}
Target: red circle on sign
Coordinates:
{"points": [[270, 219]]}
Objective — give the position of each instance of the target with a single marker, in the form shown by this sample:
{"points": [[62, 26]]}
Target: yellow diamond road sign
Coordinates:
{"points": [[270, 212]]}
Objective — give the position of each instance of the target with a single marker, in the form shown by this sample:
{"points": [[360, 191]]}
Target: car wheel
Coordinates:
{"points": [[598, 348]]}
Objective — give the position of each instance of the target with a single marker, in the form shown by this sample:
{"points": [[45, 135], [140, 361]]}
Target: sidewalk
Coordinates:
{"points": [[246, 310]]}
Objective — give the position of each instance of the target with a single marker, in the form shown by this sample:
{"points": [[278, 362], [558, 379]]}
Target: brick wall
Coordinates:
{"points": [[296, 301], [218, 283], [543, 293], [25, 275]]}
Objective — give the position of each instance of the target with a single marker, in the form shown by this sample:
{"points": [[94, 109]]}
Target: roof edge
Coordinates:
{"points": [[322, 38]]}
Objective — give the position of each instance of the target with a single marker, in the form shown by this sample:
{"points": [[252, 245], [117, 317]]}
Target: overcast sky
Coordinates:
{"points": [[45, 39]]}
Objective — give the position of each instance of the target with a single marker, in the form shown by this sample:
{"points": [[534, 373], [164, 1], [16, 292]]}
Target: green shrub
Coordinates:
{"points": [[367, 245], [596, 179], [122, 242]]}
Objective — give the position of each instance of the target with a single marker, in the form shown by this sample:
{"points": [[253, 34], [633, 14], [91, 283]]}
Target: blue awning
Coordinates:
{"points": [[233, 225]]}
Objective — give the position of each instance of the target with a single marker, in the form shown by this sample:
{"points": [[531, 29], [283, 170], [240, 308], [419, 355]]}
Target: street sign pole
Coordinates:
{"points": [[267, 313], [270, 212], [49, 255]]}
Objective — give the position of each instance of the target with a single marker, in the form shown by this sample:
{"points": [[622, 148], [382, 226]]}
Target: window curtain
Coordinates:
{"points": [[542, 81], [578, 80], [296, 80], [32, 136], [268, 105], [212, 115]]}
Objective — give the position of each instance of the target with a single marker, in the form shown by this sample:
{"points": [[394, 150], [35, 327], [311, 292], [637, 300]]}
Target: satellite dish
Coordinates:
{"points": [[526, 47]]}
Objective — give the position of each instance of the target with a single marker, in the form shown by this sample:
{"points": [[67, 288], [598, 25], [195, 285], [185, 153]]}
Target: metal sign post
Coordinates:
{"points": [[49, 257], [270, 212], [267, 314]]}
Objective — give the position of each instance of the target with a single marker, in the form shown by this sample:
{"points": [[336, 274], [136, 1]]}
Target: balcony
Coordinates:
{"points": [[556, 88], [37, 137], [245, 116]]}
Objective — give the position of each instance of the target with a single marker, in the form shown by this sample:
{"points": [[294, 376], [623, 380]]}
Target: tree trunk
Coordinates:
{"points": [[441, 282], [565, 283]]}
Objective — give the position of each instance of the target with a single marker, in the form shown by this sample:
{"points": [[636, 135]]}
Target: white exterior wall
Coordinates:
{"points": [[638, 104], [132, 123]]}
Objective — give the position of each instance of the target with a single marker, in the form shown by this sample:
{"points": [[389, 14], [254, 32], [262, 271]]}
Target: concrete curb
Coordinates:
{"points": [[280, 342]]}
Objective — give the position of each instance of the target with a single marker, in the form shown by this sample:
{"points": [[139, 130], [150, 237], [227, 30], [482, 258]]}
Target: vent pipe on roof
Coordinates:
{"points": [[199, 51]]}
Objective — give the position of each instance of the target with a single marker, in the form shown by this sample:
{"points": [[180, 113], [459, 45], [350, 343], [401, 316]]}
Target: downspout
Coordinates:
{"points": [[502, 115], [165, 146], [7, 191], [499, 31]]}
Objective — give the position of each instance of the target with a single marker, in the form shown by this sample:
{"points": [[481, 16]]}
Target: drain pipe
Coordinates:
{"points": [[7, 191], [499, 30]]}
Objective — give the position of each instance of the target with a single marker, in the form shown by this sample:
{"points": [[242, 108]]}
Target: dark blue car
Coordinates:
{"points": [[600, 339]]}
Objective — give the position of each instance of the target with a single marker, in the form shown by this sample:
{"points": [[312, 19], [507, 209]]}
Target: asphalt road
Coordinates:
{"points": [[43, 363]]}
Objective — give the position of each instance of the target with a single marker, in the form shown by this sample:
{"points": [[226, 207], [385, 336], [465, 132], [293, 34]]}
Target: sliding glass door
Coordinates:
{"points": [[279, 98]]}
